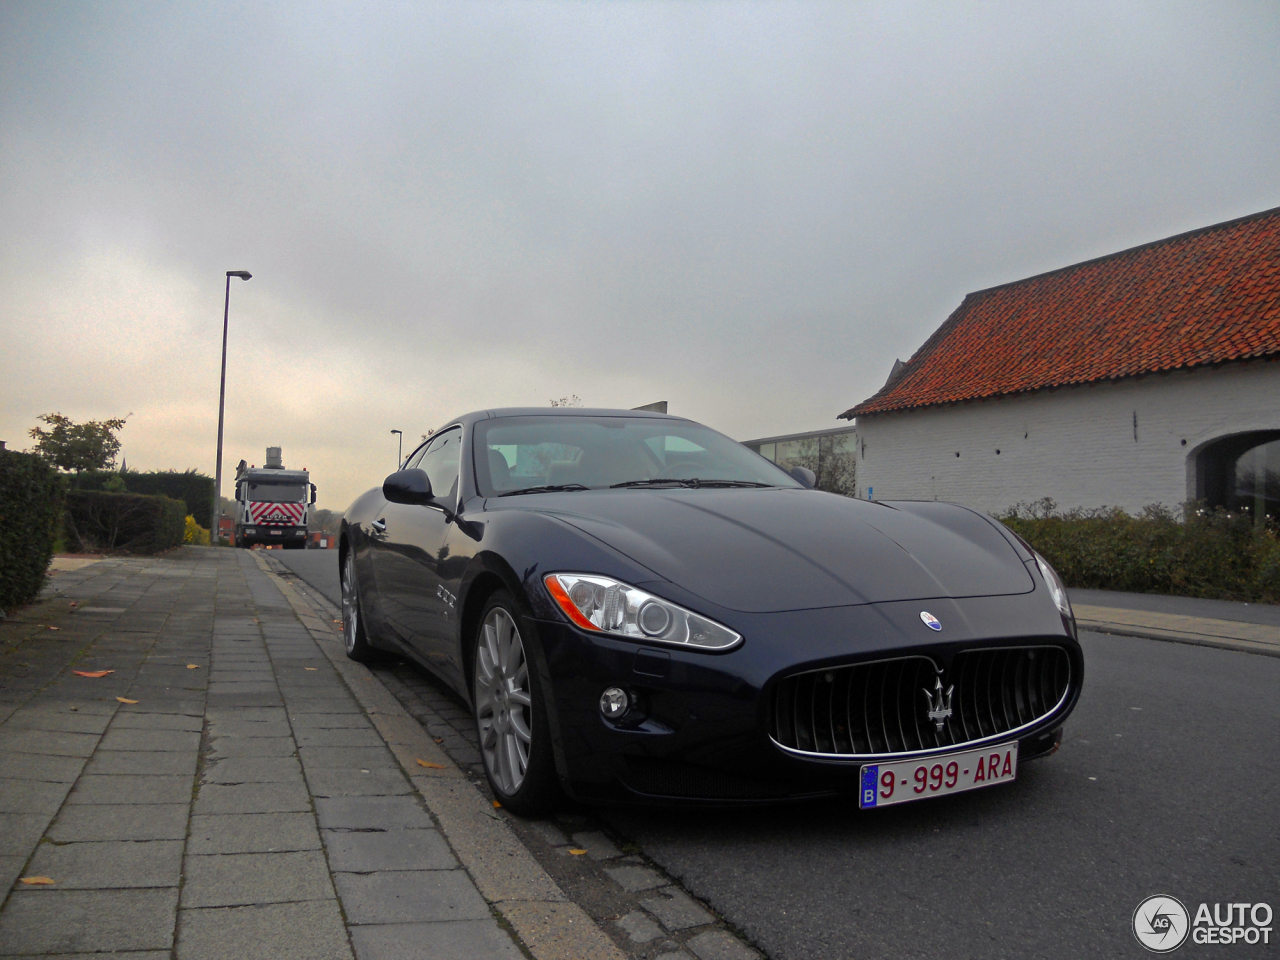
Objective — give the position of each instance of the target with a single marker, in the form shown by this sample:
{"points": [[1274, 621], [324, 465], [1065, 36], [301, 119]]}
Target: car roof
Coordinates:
{"points": [[573, 412]]}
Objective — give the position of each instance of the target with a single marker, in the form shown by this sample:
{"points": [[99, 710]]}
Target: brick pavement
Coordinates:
{"points": [[220, 793]]}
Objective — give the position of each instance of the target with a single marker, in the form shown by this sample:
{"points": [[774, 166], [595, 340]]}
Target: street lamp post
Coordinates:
{"points": [[216, 513], [399, 447]]}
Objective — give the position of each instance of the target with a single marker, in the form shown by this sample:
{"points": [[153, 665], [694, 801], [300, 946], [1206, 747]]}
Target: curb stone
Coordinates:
{"points": [[511, 881], [586, 880]]}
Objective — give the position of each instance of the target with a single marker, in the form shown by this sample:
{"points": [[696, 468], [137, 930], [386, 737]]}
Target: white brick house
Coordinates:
{"points": [[1151, 376]]}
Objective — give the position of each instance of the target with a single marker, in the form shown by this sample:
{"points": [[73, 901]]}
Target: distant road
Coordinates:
{"points": [[319, 568], [1265, 613]]}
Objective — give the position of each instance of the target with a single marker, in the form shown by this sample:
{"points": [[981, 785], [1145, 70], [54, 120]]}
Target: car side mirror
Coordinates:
{"points": [[805, 476], [408, 486], [313, 493]]}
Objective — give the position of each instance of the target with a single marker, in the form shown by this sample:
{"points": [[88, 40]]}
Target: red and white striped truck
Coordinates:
{"points": [[272, 504]]}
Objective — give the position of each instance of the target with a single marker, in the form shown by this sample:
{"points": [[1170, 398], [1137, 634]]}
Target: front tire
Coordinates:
{"points": [[510, 712], [355, 638]]}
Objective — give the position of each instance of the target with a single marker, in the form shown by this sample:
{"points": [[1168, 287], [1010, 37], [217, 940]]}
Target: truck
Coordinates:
{"points": [[272, 503]]}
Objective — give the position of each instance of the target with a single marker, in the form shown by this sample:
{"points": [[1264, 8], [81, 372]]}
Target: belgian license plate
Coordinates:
{"points": [[274, 533], [884, 784]]}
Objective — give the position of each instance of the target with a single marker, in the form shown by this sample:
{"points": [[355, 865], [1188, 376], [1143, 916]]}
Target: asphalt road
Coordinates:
{"points": [[317, 567], [1167, 782]]}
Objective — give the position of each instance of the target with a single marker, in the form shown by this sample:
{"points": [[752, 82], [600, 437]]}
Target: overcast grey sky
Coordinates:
{"points": [[747, 209]]}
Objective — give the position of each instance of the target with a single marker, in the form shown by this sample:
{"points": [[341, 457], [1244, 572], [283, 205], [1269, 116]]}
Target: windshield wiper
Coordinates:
{"points": [[657, 482], [692, 483], [546, 488], [728, 483]]}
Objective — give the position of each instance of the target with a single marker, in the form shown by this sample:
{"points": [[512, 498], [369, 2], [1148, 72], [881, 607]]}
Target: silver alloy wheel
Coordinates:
{"points": [[504, 704], [350, 606]]}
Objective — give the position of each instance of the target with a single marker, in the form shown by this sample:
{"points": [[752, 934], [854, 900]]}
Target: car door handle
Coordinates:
{"points": [[379, 525]]}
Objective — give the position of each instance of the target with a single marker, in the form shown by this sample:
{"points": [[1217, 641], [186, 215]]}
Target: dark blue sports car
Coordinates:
{"points": [[639, 608]]}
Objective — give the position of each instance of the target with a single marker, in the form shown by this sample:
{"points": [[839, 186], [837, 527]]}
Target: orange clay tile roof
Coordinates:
{"points": [[1205, 297]]}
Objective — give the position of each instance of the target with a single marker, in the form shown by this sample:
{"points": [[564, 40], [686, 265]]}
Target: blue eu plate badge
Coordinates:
{"points": [[870, 786]]}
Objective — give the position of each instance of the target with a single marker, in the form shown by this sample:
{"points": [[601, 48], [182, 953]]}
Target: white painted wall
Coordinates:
{"points": [[1075, 444]]}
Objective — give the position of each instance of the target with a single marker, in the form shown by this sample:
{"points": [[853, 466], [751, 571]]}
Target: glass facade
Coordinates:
{"points": [[1255, 489], [830, 454]]}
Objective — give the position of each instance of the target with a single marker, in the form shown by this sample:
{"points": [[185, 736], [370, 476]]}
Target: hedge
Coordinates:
{"points": [[124, 522], [1201, 553], [31, 497], [192, 488]]}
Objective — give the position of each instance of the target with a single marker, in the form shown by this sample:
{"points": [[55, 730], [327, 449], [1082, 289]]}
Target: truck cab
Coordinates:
{"points": [[272, 504]]}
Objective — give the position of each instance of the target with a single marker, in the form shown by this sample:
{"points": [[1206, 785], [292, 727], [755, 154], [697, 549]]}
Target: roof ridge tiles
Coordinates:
{"points": [[1203, 297]]}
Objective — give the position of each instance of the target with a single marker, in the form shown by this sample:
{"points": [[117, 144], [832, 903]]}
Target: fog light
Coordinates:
{"points": [[614, 703]]}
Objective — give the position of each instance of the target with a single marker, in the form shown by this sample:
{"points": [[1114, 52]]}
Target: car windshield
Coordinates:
{"points": [[277, 492], [515, 454]]}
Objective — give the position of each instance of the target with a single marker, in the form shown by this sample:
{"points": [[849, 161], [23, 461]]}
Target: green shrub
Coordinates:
{"points": [[123, 522], [192, 488], [30, 507], [1203, 553]]}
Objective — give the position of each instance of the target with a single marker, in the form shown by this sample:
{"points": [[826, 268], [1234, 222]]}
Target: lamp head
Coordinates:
{"points": [[242, 274]]}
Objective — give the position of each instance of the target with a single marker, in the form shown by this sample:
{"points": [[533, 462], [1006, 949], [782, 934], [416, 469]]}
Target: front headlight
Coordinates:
{"points": [[1057, 589], [603, 605]]}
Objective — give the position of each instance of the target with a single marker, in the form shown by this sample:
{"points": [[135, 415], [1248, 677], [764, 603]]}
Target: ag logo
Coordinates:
{"points": [[1161, 924]]}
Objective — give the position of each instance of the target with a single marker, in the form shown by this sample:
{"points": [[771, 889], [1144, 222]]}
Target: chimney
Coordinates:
{"points": [[273, 459]]}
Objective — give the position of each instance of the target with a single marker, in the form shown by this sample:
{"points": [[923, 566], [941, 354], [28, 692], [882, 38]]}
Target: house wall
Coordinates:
{"points": [[1127, 443]]}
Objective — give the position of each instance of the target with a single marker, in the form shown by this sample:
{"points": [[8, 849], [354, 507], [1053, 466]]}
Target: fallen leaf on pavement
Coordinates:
{"points": [[126, 700], [576, 852], [52, 627], [74, 603], [92, 673], [433, 766], [193, 666], [37, 881], [438, 739], [496, 805]]}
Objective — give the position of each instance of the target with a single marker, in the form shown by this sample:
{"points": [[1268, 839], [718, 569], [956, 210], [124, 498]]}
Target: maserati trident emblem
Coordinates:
{"points": [[939, 703], [930, 621]]}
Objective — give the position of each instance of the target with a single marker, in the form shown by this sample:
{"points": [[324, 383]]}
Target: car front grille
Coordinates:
{"points": [[882, 708]]}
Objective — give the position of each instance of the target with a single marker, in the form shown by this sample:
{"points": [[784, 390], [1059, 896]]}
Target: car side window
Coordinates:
{"points": [[416, 457], [440, 461]]}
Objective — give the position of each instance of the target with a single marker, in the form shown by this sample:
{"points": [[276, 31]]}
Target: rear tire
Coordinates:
{"points": [[355, 637], [510, 711]]}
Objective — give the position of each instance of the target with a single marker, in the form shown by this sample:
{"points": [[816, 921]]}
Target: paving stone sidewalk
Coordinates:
{"points": [[1180, 628], [221, 793], [650, 916]]}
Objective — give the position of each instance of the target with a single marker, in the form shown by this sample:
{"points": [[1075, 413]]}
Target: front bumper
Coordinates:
{"points": [[700, 730], [268, 534]]}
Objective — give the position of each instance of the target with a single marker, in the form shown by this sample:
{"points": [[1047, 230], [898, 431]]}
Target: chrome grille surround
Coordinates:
{"points": [[876, 710]]}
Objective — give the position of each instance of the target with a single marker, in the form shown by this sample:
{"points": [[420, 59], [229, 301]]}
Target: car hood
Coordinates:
{"points": [[769, 550]]}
